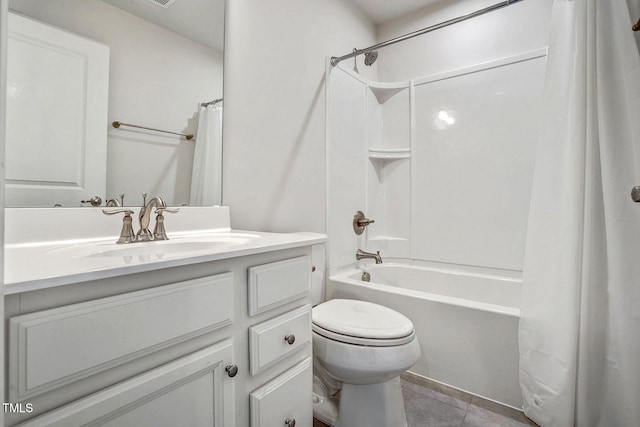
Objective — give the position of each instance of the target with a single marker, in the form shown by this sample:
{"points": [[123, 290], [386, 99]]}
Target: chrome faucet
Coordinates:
{"points": [[144, 235], [360, 254], [144, 217]]}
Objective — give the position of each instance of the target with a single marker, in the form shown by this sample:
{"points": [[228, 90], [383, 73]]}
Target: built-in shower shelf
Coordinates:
{"points": [[389, 153], [384, 91]]}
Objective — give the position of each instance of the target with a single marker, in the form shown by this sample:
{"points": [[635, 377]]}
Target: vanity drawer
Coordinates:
{"points": [[285, 401], [277, 283], [275, 339], [51, 348]]}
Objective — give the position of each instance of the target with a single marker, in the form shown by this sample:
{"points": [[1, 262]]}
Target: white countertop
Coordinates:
{"points": [[30, 267], [47, 261]]}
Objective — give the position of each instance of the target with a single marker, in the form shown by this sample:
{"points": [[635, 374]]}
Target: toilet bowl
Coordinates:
{"points": [[360, 349]]}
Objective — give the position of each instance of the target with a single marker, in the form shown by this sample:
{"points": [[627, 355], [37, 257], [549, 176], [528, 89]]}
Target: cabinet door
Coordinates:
{"points": [[192, 391], [285, 401]]}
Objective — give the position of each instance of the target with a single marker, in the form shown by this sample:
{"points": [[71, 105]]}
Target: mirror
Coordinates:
{"points": [[165, 58]]}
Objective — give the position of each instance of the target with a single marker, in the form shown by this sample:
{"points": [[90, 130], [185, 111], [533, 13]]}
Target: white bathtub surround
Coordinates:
{"points": [[443, 163], [580, 330], [467, 324]]}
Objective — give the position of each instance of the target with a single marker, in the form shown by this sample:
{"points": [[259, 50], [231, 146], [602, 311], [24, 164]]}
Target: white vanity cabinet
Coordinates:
{"points": [[224, 343]]}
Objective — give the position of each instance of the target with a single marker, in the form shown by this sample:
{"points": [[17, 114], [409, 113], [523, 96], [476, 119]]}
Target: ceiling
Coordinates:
{"points": [[203, 20], [381, 11], [199, 20]]}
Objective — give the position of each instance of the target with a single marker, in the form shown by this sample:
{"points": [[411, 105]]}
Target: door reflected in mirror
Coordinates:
{"points": [[162, 64]]}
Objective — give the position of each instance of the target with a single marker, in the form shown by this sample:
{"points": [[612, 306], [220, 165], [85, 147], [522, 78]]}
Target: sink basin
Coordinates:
{"points": [[181, 245], [157, 248]]}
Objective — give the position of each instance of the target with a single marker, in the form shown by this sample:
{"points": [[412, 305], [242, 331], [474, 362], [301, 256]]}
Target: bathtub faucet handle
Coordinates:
{"points": [[360, 222]]}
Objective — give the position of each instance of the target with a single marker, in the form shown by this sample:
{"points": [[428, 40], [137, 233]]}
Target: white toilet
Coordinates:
{"points": [[360, 349]]}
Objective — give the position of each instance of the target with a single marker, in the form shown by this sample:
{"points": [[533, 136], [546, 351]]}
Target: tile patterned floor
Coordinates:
{"points": [[431, 404]]}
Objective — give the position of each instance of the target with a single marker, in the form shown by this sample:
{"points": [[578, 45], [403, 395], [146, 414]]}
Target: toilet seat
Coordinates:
{"points": [[361, 323], [371, 342]]}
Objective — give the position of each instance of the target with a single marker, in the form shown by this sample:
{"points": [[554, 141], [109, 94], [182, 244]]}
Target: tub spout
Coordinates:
{"points": [[360, 254]]}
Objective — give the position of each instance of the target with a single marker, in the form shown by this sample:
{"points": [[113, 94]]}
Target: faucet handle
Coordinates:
{"points": [[161, 210], [126, 212], [126, 235], [159, 233], [360, 222]]}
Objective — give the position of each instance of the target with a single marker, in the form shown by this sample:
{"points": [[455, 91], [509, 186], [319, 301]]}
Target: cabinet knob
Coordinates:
{"points": [[290, 422], [232, 370], [290, 339]]}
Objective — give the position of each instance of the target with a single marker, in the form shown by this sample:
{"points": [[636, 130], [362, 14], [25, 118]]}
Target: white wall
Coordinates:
{"points": [[157, 79], [274, 126], [520, 27]]}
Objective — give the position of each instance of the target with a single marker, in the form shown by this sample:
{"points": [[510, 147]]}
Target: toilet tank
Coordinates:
{"points": [[317, 275]]}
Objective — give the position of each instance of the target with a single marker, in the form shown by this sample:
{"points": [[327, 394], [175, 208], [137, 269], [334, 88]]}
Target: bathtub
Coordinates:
{"points": [[466, 323]]}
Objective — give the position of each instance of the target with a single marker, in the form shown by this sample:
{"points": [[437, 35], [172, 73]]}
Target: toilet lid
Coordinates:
{"points": [[361, 319]]}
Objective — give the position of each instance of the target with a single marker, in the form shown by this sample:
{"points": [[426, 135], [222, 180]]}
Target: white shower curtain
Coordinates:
{"points": [[206, 177], [580, 318]]}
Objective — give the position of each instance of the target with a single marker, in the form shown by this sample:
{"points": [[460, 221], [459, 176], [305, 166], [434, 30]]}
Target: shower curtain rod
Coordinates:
{"points": [[215, 101], [335, 60]]}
